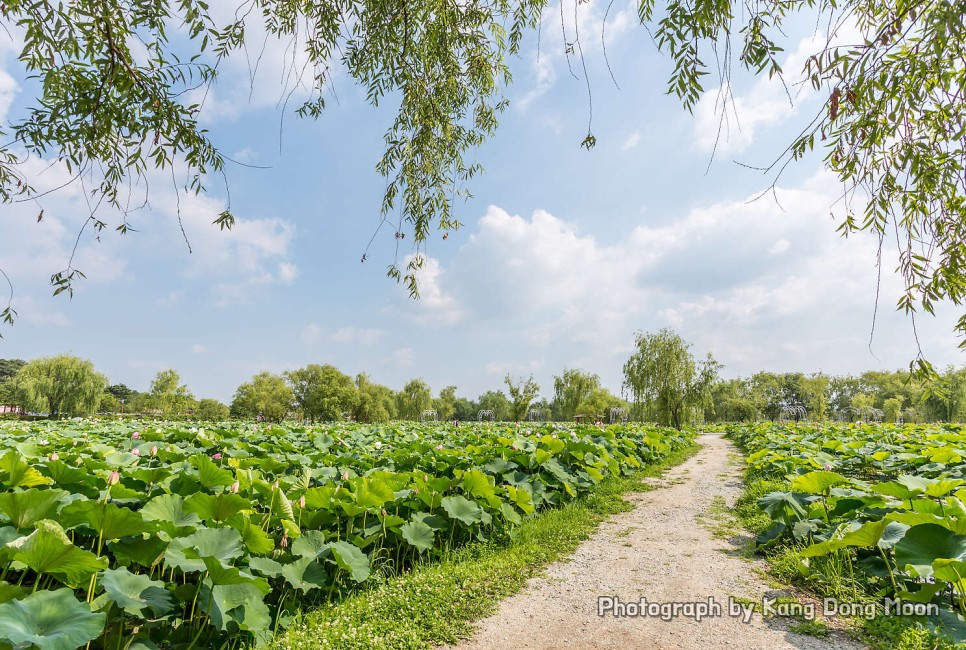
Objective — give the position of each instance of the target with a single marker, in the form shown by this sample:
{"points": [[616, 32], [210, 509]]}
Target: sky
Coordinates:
{"points": [[564, 254]]}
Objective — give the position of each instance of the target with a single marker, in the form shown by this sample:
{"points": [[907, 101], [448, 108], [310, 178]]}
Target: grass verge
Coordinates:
{"points": [[437, 602]]}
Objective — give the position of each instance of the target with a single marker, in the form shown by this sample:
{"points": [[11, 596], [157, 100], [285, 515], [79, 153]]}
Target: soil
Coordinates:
{"points": [[665, 550]]}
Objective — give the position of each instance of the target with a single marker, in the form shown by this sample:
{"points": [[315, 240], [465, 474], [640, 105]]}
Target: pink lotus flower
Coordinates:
{"points": [[54, 456], [216, 456], [345, 475], [136, 451], [114, 478], [439, 446], [136, 435], [302, 501], [154, 450], [234, 487]]}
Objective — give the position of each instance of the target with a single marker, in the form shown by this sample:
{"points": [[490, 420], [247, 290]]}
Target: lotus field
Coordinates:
{"points": [[880, 506], [135, 535]]}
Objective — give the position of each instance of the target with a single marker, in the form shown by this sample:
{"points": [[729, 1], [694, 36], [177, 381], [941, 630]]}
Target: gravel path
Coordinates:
{"points": [[665, 551]]}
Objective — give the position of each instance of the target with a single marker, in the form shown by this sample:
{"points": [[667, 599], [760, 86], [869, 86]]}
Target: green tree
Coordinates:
{"points": [[445, 404], [376, 403], [666, 381], [267, 396], [211, 410], [892, 409], [413, 399], [465, 409], [168, 394], [121, 392], [570, 389], [496, 401], [522, 393], [599, 402], [63, 385], [323, 392], [10, 367], [107, 403]]}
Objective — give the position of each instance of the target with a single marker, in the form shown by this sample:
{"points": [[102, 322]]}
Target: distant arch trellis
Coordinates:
{"points": [[849, 414], [618, 414], [906, 415], [486, 415], [795, 413], [429, 415], [870, 414], [537, 415]]}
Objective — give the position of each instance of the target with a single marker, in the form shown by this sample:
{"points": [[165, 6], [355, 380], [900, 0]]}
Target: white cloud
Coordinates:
{"points": [[363, 336], [38, 312], [736, 277], [632, 141], [197, 348], [404, 357], [311, 334]]}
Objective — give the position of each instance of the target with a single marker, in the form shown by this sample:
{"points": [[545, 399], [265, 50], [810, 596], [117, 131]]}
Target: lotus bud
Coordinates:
{"points": [[234, 487], [79, 462], [302, 501], [136, 451], [54, 456], [425, 478], [136, 435], [383, 512], [154, 450], [275, 485], [216, 456], [378, 444], [439, 446], [114, 478], [828, 467], [345, 475]]}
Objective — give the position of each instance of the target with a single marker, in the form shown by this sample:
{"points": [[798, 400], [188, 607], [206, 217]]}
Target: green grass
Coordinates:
{"points": [[437, 602]]}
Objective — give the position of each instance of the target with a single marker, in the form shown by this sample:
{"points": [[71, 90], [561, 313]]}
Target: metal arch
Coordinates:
{"points": [[796, 413], [486, 413], [430, 415], [537, 415], [618, 413], [849, 414]]}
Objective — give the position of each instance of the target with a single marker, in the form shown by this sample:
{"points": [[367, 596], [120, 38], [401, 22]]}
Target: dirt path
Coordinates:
{"points": [[665, 551]]}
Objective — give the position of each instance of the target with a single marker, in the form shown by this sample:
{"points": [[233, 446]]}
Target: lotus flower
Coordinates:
{"points": [[302, 501], [345, 475], [54, 456], [439, 446], [275, 485], [114, 478], [216, 456], [136, 451], [284, 542], [378, 444], [136, 435], [234, 487], [154, 450]]}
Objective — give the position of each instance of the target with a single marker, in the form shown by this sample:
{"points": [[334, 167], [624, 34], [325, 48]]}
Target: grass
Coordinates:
{"points": [[437, 602]]}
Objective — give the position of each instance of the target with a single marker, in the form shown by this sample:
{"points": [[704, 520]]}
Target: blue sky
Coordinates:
{"points": [[565, 253]]}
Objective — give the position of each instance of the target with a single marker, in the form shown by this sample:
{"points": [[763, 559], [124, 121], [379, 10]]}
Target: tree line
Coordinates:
{"points": [[663, 382]]}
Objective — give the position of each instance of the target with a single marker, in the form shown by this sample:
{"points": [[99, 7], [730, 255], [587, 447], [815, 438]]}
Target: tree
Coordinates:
{"points": [[266, 395], [63, 385], [890, 127], [107, 403], [599, 402], [10, 367], [570, 389], [376, 403], [121, 392], [496, 401], [445, 404], [211, 410], [522, 393], [413, 399], [169, 395], [666, 381], [322, 392]]}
